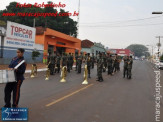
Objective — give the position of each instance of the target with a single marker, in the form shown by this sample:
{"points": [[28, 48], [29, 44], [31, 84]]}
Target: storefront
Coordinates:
{"points": [[55, 41]]}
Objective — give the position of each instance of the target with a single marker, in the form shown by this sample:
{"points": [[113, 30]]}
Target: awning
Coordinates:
{"points": [[51, 43], [59, 45]]}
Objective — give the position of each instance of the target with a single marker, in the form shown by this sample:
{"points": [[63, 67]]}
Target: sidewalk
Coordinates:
{"points": [[40, 67]]}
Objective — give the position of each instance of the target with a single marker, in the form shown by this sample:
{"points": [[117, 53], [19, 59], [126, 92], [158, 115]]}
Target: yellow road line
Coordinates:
{"points": [[62, 98]]}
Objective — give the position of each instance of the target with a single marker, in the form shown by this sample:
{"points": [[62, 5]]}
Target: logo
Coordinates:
{"points": [[14, 114]]}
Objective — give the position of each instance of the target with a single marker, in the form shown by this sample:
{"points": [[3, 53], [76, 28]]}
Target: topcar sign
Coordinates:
{"points": [[19, 35]]}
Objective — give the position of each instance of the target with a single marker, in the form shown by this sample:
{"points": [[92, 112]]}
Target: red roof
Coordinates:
{"points": [[86, 44]]}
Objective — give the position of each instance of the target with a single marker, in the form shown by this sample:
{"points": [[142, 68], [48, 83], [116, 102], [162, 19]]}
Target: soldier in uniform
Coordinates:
{"points": [[76, 58], [125, 70], [93, 60], [105, 62], [99, 68], [129, 67], [69, 62], [88, 62], [64, 60], [115, 64], [79, 62], [109, 64], [51, 62], [58, 61]]}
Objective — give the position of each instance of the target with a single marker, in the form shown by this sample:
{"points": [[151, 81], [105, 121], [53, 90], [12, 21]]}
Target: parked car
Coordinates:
{"points": [[160, 65]]}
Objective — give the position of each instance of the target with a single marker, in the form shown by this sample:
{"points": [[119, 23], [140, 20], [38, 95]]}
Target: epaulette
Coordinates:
{"points": [[14, 58]]}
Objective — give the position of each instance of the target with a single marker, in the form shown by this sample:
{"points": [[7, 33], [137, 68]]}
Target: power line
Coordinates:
{"points": [[124, 25], [124, 20]]}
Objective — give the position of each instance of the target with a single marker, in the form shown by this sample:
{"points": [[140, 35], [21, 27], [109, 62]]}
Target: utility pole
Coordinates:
{"points": [[34, 23], [78, 20], [159, 44]]}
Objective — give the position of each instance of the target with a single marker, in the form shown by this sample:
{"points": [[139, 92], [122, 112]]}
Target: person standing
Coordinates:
{"points": [[105, 62], [64, 60], [51, 62], [115, 64], [93, 61], [69, 62], [100, 68], [125, 70], [129, 67], [79, 61], [58, 63], [109, 64], [15, 86], [76, 58], [88, 62]]}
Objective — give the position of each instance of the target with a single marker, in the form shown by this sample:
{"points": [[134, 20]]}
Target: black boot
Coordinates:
{"points": [[102, 79], [89, 76], [98, 79]]}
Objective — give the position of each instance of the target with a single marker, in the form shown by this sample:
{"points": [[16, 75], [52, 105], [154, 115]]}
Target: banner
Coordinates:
{"points": [[19, 35]]}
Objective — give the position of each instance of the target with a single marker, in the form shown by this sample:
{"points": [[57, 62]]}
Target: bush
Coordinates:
{"points": [[161, 58], [35, 54]]}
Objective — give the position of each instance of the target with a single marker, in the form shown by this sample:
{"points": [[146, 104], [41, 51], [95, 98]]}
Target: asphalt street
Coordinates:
{"points": [[117, 99]]}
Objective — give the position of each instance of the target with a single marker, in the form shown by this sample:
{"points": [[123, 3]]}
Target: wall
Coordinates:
{"points": [[10, 52], [87, 50]]}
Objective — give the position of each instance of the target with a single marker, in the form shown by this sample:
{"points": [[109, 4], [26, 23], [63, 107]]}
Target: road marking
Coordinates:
{"points": [[69, 95]]}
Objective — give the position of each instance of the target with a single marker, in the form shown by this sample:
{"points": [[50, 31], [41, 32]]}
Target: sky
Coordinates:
{"points": [[114, 23]]}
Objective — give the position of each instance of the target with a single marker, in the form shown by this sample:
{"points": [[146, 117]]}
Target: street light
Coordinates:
{"points": [[157, 12], [159, 44]]}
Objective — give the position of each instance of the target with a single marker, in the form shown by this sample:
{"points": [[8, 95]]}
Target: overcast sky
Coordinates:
{"points": [[114, 23]]}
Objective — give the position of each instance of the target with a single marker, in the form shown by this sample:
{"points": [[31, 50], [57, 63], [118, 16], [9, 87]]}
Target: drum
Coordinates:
{"points": [[7, 76]]}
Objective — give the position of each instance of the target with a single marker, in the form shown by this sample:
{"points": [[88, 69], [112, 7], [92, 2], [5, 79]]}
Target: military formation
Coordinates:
{"points": [[105, 63]]}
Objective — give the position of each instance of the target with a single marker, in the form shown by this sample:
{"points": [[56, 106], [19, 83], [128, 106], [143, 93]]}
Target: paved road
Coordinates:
{"points": [[116, 99]]}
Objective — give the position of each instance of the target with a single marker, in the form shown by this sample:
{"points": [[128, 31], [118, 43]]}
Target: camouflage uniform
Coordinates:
{"points": [[109, 64], [99, 68], [129, 67]]}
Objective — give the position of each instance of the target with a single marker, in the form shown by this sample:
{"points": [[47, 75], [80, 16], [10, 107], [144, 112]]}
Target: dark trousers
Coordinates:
{"points": [[68, 66], [109, 70], [51, 68], [129, 72], [125, 71], [76, 65], [58, 68], [15, 88], [92, 65], [89, 69], [71, 65], [99, 72], [79, 68]]}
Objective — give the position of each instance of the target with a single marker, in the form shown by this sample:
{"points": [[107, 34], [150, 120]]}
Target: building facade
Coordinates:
{"points": [[90, 47], [18, 36], [54, 41]]}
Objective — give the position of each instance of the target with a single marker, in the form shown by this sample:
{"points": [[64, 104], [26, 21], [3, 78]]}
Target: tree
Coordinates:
{"points": [[139, 50], [35, 54], [62, 24]]}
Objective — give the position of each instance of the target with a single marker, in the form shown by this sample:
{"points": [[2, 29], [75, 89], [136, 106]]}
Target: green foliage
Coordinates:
{"points": [[139, 50], [161, 58], [2, 23], [62, 24], [35, 54]]}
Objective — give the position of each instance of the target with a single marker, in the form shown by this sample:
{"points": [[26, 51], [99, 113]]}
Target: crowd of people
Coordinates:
{"points": [[105, 62]]}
